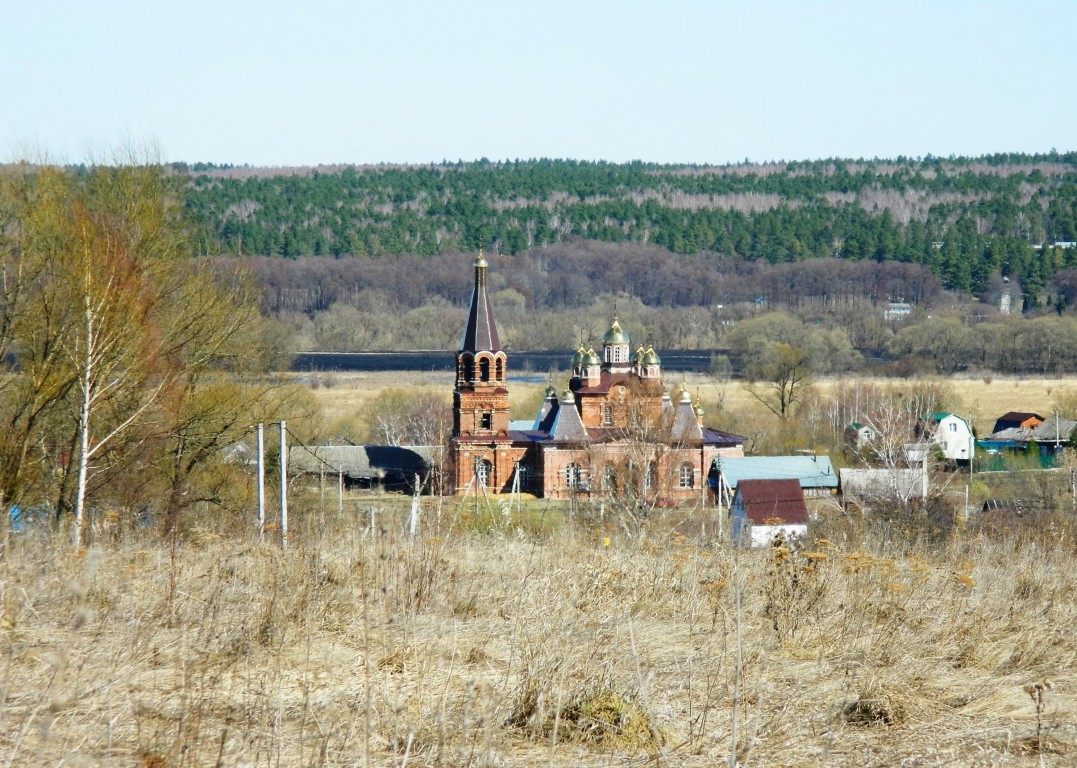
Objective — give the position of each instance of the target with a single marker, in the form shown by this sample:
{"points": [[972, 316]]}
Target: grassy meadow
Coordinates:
{"points": [[536, 638], [729, 405], [541, 636]]}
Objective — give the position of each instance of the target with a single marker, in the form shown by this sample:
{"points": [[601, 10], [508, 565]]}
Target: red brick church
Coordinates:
{"points": [[614, 430]]}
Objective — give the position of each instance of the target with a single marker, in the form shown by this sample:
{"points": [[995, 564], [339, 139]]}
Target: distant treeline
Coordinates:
{"points": [[963, 219], [574, 273]]}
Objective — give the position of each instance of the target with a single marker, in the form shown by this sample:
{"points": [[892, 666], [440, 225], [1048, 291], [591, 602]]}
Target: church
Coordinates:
{"points": [[614, 431]]}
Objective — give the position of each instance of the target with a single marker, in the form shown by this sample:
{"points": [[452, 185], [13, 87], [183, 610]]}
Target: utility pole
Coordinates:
{"points": [[261, 483], [283, 485]]}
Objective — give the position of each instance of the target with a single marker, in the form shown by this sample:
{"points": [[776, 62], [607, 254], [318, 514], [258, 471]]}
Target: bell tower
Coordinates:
{"points": [[480, 447], [481, 398]]}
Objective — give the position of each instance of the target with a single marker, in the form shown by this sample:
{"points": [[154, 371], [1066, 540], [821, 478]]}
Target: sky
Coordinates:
{"points": [[270, 83]]}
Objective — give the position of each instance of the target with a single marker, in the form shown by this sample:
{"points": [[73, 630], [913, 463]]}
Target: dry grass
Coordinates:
{"points": [[981, 399], [533, 643]]}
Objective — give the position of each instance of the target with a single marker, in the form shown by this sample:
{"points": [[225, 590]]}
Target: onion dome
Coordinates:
{"points": [[551, 392], [590, 358], [567, 398], [615, 335], [480, 261], [650, 358], [577, 359], [699, 410], [685, 397]]}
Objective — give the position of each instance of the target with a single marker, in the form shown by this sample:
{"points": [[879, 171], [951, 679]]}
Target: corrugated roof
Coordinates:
{"points": [[367, 462], [811, 471], [718, 437], [1055, 428], [769, 501]]}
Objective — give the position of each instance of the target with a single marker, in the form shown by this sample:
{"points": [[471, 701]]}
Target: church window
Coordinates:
{"points": [[648, 480], [484, 369], [687, 476], [607, 414], [483, 472], [572, 476], [487, 420], [500, 368], [609, 479]]}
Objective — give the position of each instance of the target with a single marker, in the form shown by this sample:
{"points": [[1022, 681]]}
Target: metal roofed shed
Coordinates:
{"points": [[388, 466], [764, 509], [815, 473]]}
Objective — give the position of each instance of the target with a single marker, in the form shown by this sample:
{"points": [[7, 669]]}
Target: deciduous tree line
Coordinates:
{"points": [[124, 357]]}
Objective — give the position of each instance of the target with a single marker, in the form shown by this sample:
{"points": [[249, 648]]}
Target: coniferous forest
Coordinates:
{"points": [[832, 241]]}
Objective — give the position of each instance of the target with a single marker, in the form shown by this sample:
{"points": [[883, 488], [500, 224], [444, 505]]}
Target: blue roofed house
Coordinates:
{"points": [[816, 474]]}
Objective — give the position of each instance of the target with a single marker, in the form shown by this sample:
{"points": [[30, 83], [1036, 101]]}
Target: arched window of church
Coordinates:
{"points": [[500, 369], [484, 369], [652, 472], [687, 476], [484, 470], [524, 475], [607, 354], [607, 414], [572, 476]]}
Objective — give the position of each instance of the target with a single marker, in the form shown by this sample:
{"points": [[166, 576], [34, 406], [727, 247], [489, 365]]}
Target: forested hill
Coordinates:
{"points": [[964, 218]]}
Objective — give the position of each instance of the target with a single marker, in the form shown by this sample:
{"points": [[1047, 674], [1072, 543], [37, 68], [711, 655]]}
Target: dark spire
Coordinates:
{"points": [[480, 335]]}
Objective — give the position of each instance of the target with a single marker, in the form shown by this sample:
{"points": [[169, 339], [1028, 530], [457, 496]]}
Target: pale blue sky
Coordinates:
{"points": [[272, 83]]}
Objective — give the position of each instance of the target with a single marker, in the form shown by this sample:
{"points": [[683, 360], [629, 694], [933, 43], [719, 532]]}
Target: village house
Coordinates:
{"points": [[764, 509], [1017, 420], [1050, 436], [613, 430], [952, 435], [815, 474]]}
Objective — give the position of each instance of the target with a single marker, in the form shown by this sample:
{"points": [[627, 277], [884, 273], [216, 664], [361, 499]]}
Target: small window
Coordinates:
{"points": [[609, 479], [953, 426], [572, 476], [524, 474], [484, 369], [607, 415], [483, 471], [487, 420], [687, 476], [500, 368], [652, 472]]}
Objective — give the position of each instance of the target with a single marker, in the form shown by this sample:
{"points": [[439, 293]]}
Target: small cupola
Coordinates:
{"points": [[615, 346], [577, 361], [591, 368]]}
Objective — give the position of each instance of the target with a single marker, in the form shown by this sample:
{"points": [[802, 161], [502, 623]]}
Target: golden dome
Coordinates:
{"points": [[615, 335]]}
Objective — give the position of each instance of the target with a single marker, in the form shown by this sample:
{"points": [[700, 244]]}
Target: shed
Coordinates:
{"points": [[866, 486], [815, 474], [763, 509], [389, 466], [1015, 419]]}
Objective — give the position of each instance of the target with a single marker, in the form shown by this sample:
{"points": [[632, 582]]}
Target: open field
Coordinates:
{"points": [[982, 400], [541, 640]]}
